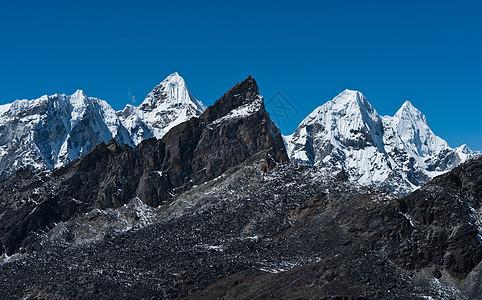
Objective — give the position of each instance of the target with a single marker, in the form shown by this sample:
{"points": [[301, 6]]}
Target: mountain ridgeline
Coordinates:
{"points": [[235, 128], [399, 153], [176, 200], [53, 130]]}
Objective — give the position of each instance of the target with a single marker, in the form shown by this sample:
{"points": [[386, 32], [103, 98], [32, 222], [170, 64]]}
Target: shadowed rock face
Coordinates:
{"points": [[241, 93], [202, 149], [110, 175], [446, 228]]}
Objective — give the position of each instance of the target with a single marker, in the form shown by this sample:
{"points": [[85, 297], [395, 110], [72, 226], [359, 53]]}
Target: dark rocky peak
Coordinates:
{"points": [[101, 153], [242, 93], [234, 128]]}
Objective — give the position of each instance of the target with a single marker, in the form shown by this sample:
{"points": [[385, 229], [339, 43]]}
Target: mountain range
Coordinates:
{"points": [[50, 131], [398, 153], [216, 209]]}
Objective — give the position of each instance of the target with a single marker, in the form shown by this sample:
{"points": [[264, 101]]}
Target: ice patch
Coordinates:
{"points": [[241, 112]]}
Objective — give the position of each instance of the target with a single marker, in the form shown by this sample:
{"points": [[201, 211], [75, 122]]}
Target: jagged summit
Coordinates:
{"points": [[348, 95], [167, 105], [349, 105], [407, 110], [398, 153], [352, 97], [408, 104], [171, 91], [241, 93], [413, 134]]}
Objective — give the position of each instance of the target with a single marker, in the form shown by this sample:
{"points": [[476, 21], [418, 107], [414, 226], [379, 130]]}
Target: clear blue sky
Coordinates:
{"points": [[429, 52]]}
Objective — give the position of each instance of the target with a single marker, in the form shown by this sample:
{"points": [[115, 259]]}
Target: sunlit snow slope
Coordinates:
{"points": [[398, 153], [167, 105], [52, 130]]}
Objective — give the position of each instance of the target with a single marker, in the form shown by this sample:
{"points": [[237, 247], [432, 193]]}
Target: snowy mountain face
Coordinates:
{"points": [[50, 131], [53, 130], [167, 105], [398, 153]]}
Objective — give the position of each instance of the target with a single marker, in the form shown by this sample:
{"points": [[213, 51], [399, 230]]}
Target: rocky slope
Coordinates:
{"points": [[398, 153], [289, 233], [53, 130], [215, 210]]}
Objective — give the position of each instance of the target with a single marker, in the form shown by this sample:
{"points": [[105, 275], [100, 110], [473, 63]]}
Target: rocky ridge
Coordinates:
{"points": [[250, 234]]}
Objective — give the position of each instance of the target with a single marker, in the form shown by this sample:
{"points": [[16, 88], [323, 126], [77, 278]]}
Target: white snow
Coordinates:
{"points": [[214, 247], [242, 111], [52, 130], [348, 134], [167, 105], [409, 218]]}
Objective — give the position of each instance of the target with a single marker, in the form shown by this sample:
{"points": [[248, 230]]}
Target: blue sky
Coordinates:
{"points": [[428, 52]]}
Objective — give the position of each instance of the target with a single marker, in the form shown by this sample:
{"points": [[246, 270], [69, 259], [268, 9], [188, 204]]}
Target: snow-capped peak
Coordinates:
{"points": [[352, 97], [349, 103], [408, 104], [464, 149], [79, 94], [349, 96], [167, 105], [53, 130], [408, 111], [413, 131], [349, 116], [341, 134], [465, 153], [171, 91], [399, 153]]}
